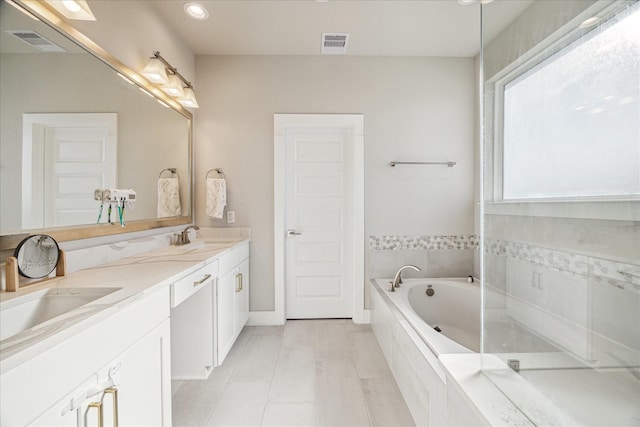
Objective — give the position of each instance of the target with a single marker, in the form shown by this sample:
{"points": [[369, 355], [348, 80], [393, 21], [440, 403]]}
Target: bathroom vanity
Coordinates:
{"points": [[112, 359]]}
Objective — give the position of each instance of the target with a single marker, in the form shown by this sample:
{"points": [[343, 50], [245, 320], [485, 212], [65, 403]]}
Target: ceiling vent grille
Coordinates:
{"points": [[335, 43], [36, 40]]}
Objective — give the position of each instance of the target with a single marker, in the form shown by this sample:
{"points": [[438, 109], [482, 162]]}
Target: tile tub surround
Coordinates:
{"points": [[415, 367], [445, 390], [305, 373], [390, 242], [614, 272], [437, 256]]}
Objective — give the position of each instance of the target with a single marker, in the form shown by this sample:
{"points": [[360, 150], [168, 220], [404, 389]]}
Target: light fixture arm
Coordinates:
{"points": [[172, 69]]}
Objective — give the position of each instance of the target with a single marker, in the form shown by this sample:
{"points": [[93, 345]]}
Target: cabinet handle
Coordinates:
{"points": [[204, 279], [241, 282], [98, 406], [238, 282], [114, 392]]}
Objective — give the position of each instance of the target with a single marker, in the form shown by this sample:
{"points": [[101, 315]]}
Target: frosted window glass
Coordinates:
{"points": [[572, 122]]}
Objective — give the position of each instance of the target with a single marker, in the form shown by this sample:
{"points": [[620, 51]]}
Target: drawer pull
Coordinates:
{"points": [[204, 279], [238, 282], [98, 406], [114, 393]]}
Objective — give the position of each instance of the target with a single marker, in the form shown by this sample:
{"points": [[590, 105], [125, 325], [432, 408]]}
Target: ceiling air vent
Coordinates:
{"points": [[36, 40], [335, 43]]}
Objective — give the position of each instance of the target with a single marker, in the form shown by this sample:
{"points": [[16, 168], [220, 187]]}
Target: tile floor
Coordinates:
{"points": [[306, 373]]}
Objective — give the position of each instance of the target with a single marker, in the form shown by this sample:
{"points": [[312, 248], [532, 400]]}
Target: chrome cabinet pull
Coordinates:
{"points": [[98, 406], [114, 392], [204, 279]]}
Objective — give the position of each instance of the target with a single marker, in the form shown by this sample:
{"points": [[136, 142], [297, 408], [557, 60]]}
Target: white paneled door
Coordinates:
{"points": [[319, 223], [70, 155]]}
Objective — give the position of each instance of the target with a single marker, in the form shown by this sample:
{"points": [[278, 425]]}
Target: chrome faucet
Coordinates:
{"points": [[398, 279], [183, 238]]}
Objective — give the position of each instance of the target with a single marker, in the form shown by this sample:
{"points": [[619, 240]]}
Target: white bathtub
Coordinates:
{"points": [[454, 308]]}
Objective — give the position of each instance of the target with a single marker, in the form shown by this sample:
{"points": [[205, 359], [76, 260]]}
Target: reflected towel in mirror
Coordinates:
{"points": [[169, 197], [216, 197]]}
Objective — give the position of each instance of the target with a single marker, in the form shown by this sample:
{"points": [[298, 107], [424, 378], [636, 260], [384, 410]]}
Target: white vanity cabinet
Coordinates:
{"points": [[127, 392], [232, 298], [192, 324], [122, 362]]}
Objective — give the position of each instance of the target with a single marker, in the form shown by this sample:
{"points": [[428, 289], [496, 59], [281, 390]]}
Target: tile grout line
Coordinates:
{"points": [[266, 402], [228, 380], [355, 364]]}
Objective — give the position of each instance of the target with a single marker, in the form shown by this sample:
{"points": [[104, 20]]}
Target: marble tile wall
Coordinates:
{"points": [[437, 256]]}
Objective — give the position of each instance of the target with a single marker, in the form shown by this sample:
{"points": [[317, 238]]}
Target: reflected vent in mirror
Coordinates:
{"points": [[36, 40], [335, 43]]}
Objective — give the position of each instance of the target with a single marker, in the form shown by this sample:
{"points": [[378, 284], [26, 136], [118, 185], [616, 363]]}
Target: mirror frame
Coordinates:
{"points": [[50, 16]]}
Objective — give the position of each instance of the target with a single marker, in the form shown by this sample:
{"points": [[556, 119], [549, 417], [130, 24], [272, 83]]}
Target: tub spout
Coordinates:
{"points": [[398, 279]]}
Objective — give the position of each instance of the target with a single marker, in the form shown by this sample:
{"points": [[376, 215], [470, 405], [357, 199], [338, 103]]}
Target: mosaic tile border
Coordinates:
{"points": [[423, 243], [612, 272]]}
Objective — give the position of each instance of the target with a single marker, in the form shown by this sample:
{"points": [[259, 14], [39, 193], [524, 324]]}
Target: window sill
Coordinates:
{"points": [[618, 210]]}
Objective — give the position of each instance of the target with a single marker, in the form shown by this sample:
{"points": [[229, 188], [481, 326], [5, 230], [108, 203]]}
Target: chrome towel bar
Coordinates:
{"points": [[449, 164]]}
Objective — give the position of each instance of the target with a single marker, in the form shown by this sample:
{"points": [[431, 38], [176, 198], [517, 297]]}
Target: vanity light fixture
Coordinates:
{"points": [[155, 71], [173, 87], [73, 9], [189, 98], [196, 11], [175, 84]]}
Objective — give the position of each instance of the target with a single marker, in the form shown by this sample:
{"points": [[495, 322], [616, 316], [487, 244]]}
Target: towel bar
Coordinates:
{"points": [[449, 164]]}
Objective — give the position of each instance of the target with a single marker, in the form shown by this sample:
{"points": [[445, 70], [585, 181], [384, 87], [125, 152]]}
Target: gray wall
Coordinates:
{"points": [[414, 108]]}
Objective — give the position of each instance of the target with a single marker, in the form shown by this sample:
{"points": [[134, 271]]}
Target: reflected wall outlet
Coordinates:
{"points": [[231, 217]]}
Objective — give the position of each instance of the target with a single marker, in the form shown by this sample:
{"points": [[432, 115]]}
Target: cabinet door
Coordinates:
{"points": [[61, 415], [143, 394], [242, 296], [226, 313]]}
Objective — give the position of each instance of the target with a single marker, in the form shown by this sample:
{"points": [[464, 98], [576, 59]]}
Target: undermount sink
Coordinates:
{"points": [[25, 312]]}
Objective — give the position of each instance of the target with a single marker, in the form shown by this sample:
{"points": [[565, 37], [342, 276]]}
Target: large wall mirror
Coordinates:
{"points": [[69, 124]]}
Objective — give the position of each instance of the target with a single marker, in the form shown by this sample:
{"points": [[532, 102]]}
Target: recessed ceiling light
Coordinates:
{"points": [[590, 22], [196, 11], [73, 9]]}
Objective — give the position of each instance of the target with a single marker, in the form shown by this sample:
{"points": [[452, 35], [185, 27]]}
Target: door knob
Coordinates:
{"points": [[293, 233]]}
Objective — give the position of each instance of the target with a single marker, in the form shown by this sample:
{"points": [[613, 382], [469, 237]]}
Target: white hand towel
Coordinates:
{"points": [[216, 197], [169, 197]]}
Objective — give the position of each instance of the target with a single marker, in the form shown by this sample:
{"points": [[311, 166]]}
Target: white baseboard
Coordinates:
{"points": [[265, 318], [270, 318], [367, 316]]}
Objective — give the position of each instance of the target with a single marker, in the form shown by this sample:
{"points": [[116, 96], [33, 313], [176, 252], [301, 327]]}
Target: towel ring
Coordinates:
{"points": [[216, 170], [172, 170]]}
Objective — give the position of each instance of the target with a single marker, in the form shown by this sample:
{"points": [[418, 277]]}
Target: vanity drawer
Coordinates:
{"points": [[233, 258], [190, 284]]}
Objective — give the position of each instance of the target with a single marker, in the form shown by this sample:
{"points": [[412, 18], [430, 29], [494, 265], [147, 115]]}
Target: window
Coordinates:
{"points": [[571, 123]]}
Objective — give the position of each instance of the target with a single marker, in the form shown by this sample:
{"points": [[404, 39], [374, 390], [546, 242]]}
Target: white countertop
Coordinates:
{"points": [[137, 276]]}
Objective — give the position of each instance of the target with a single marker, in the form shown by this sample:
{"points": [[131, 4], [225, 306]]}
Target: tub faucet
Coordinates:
{"points": [[398, 279], [183, 238]]}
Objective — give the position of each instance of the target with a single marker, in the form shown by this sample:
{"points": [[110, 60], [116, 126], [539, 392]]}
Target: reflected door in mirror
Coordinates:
{"points": [[68, 157]]}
